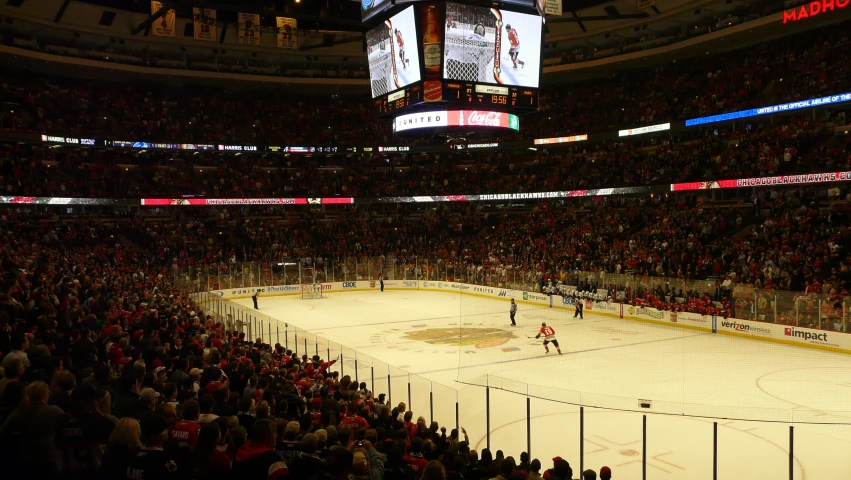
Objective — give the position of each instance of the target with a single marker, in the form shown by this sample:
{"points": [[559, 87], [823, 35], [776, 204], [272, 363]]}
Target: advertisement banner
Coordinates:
{"points": [[764, 181], [249, 28], [165, 25], [812, 337], [286, 32], [431, 17], [556, 140], [642, 130], [554, 7], [783, 107], [744, 327], [204, 20]]}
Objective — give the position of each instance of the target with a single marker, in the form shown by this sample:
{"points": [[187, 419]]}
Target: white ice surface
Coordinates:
{"points": [[609, 362]]}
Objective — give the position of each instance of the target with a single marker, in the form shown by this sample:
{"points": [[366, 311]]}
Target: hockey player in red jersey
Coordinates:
{"points": [[514, 51], [401, 43], [549, 337]]}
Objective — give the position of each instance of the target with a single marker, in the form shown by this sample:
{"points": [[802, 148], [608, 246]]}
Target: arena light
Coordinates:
{"points": [[783, 107], [642, 130], [455, 118]]}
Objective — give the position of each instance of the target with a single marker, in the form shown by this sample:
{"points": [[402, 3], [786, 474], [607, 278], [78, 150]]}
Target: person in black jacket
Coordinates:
{"points": [[257, 459], [396, 468], [152, 460]]}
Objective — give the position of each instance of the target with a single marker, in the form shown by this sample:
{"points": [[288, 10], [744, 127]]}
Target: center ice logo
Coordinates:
{"points": [[462, 337]]}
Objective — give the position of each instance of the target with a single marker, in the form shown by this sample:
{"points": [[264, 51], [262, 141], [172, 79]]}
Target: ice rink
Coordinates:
{"points": [[449, 343]]}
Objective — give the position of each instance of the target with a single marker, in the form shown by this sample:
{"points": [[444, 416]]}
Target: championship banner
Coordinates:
{"points": [[165, 25], [205, 24], [249, 28], [286, 32]]}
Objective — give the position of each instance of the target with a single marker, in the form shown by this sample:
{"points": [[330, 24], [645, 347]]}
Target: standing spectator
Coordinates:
{"points": [[605, 473], [535, 470], [185, 432], [208, 462], [434, 471], [589, 475], [31, 432], [20, 343], [83, 434], [14, 371], [124, 442], [152, 460], [309, 462], [367, 463], [257, 459], [416, 459], [396, 468]]}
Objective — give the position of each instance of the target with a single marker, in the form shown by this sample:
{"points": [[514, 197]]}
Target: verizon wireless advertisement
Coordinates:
{"points": [[456, 118]]}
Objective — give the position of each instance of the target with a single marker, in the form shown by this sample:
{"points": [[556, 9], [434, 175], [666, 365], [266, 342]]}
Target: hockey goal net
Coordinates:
{"points": [[311, 290], [381, 68], [469, 56]]}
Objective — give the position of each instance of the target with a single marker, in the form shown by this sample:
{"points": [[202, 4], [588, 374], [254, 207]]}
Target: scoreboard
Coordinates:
{"points": [[518, 100], [437, 55], [514, 98]]}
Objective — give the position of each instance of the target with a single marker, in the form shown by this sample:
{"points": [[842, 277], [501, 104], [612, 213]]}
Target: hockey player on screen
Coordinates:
{"points": [[514, 51], [401, 43], [512, 312], [549, 337]]}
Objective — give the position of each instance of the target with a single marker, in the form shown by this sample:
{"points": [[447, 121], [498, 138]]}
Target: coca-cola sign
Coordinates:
{"points": [[478, 118], [456, 118]]}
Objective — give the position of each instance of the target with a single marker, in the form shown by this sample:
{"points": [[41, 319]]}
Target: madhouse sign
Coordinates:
{"points": [[812, 9]]}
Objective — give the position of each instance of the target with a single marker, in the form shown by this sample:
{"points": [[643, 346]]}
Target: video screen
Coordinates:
{"points": [[371, 8], [393, 52], [491, 45]]}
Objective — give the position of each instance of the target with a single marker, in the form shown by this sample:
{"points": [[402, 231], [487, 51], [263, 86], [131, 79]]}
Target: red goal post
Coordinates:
{"points": [[311, 290]]}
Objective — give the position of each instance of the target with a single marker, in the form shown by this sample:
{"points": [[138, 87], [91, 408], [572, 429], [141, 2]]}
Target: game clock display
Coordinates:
{"points": [[514, 98]]}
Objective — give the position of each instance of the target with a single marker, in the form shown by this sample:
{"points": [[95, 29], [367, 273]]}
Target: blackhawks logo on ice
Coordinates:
{"points": [[462, 337]]}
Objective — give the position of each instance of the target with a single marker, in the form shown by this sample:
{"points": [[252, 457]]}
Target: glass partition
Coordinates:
{"points": [[593, 405]]}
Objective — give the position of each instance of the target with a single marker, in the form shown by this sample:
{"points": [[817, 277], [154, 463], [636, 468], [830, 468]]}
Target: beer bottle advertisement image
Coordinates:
{"points": [[432, 28]]}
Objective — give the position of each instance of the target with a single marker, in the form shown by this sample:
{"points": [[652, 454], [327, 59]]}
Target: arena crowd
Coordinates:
{"points": [[110, 370]]}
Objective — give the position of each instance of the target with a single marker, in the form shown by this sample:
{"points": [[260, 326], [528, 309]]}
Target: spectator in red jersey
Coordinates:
{"points": [[185, 432], [257, 459], [416, 459]]}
